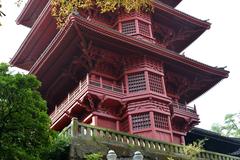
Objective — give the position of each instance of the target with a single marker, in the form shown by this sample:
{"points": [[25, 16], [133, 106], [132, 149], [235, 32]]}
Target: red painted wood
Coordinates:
{"points": [[112, 70]]}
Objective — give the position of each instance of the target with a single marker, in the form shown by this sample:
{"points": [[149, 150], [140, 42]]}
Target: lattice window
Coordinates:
{"points": [[136, 82], [140, 121], [144, 28], [155, 81], [129, 27], [161, 121]]}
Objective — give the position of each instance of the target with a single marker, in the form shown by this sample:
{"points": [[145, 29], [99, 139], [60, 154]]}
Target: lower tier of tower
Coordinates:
{"points": [[146, 113]]}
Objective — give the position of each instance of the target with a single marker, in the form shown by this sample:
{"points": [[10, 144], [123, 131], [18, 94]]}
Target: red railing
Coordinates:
{"points": [[183, 107], [79, 91], [107, 86]]}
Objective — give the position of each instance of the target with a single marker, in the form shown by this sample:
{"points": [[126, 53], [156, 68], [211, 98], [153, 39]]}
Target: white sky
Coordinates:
{"points": [[218, 46]]}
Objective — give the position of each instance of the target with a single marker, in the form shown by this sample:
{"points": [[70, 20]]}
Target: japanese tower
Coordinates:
{"points": [[121, 71]]}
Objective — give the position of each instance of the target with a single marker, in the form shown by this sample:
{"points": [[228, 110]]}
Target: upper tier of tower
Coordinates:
{"points": [[166, 27]]}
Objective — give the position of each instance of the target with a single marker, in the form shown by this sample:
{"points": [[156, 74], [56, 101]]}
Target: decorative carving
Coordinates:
{"points": [[122, 109], [183, 85], [100, 106], [91, 106], [154, 64], [167, 36], [148, 104], [133, 61], [176, 83], [109, 63]]}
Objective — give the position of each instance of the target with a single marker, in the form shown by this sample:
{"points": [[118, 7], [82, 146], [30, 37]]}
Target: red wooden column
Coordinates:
{"points": [[170, 128], [137, 26], [147, 81], [126, 82], [117, 125], [163, 81], [152, 124], [130, 124], [182, 140]]}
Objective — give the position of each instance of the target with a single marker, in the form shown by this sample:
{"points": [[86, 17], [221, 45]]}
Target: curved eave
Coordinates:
{"points": [[22, 57], [161, 6], [203, 90], [56, 42], [214, 135], [124, 41], [30, 12]]}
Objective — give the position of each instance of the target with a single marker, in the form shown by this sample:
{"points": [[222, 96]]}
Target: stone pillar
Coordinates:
{"points": [[74, 127], [138, 156], [111, 155]]}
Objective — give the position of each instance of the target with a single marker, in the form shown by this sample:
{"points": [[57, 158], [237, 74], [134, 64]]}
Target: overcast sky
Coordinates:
{"points": [[218, 46]]}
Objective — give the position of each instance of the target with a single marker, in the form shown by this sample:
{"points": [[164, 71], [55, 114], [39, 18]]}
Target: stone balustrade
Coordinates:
{"points": [[76, 129]]}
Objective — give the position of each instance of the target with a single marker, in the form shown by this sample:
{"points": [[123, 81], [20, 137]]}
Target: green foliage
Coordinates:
{"points": [[24, 123], [170, 158], [192, 150], [231, 126], [62, 8], [94, 156], [59, 147]]}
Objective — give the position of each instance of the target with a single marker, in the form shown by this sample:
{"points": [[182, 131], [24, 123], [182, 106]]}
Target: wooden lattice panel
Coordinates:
{"points": [[129, 27], [140, 121], [161, 121], [136, 82], [155, 81], [144, 28]]}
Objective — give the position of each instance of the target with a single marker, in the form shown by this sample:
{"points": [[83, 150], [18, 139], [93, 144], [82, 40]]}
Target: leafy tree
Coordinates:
{"points": [[61, 9], [24, 123], [231, 126]]}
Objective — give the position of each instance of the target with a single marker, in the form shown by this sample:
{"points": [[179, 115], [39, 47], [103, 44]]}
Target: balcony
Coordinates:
{"points": [[88, 85], [179, 109], [103, 136]]}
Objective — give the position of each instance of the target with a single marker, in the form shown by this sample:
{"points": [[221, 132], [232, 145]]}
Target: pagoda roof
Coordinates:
{"points": [[39, 37], [44, 30], [214, 141], [174, 12], [183, 28], [65, 38], [31, 11]]}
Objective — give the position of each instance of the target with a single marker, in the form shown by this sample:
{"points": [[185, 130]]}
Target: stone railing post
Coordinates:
{"points": [[74, 127], [138, 156], [111, 155]]}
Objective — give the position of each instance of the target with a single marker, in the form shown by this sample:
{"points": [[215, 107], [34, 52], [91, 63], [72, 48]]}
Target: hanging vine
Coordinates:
{"points": [[62, 8]]}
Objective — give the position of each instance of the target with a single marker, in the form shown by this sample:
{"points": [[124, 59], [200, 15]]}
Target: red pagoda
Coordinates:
{"points": [[121, 71]]}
